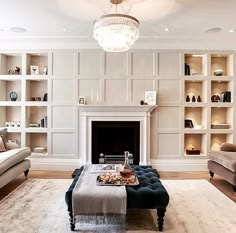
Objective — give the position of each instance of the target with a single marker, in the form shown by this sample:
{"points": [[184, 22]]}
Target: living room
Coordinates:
{"points": [[66, 102]]}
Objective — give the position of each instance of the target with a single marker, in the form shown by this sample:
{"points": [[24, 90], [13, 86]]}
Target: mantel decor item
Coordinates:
{"points": [[81, 100], [116, 32], [13, 96], [150, 97]]}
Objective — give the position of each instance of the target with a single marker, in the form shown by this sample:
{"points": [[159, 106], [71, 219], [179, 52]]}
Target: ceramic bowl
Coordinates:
{"points": [[218, 72]]}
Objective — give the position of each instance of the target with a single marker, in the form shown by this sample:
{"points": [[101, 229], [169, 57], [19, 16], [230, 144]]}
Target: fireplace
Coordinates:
{"points": [[123, 115], [111, 138]]}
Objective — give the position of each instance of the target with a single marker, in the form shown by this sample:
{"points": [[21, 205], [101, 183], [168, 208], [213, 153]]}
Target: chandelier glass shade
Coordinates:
{"points": [[116, 32]]}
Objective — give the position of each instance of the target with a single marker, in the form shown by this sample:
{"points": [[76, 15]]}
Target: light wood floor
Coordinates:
{"points": [[218, 182]]}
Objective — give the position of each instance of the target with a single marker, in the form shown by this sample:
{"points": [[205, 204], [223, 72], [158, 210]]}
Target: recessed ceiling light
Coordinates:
{"points": [[231, 30], [18, 29], [167, 29], [213, 30]]}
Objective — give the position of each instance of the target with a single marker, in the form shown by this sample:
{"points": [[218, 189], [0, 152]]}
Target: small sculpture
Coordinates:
{"points": [[193, 98], [187, 98], [199, 99]]}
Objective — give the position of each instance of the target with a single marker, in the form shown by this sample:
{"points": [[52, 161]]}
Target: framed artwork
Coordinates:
{"points": [[150, 97], [34, 70], [81, 100]]}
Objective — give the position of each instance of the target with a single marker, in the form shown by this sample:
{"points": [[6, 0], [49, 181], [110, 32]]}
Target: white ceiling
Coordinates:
{"points": [[45, 21]]}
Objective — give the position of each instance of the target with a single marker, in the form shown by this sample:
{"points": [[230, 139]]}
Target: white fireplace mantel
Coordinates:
{"points": [[90, 113]]}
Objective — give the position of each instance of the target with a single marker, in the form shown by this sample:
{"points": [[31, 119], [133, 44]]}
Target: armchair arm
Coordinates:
{"points": [[228, 147]]}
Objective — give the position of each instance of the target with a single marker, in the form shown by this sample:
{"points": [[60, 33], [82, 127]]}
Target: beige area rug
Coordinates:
{"points": [[196, 206]]}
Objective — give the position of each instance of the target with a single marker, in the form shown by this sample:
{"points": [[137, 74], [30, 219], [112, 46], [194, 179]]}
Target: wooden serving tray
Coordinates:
{"points": [[116, 180]]}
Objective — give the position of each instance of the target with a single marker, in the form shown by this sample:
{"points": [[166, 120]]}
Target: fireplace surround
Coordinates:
{"points": [[88, 114]]}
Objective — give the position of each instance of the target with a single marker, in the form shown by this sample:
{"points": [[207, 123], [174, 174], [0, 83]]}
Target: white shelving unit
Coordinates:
{"points": [[30, 106]]}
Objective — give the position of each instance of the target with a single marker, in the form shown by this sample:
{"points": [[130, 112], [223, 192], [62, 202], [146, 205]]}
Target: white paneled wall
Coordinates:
{"points": [[116, 79]]}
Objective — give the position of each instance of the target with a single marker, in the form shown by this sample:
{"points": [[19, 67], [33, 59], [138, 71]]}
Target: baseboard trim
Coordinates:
{"points": [[175, 165], [178, 165]]}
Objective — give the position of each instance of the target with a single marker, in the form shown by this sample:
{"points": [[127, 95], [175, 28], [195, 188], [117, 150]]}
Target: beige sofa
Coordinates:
{"points": [[13, 163], [223, 163]]}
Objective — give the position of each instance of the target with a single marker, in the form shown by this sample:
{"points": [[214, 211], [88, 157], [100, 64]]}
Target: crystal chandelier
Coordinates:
{"points": [[116, 32]]}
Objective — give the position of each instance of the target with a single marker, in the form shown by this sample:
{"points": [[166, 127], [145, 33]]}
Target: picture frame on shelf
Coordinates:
{"points": [[81, 100], [150, 97], [34, 70]]}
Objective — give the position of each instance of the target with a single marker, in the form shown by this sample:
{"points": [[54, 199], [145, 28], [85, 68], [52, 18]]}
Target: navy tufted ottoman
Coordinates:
{"points": [[149, 194]]}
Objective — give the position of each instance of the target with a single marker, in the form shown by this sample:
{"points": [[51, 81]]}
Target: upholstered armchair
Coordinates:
{"points": [[223, 163]]}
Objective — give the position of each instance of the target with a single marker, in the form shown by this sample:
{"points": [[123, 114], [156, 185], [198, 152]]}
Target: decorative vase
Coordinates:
{"points": [[187, 98], [193, 98], [199, 99], [126, 169]]}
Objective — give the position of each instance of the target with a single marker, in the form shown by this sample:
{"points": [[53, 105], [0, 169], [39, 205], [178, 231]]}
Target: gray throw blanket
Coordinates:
{"points": [[90, 198]]}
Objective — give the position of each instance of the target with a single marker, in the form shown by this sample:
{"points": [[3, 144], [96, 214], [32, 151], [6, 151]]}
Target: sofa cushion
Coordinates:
{"points": [[11, 157], [225, 158]]}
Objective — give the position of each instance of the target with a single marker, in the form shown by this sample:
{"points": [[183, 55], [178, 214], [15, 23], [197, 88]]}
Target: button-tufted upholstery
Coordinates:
{"points": [[149, 194]]}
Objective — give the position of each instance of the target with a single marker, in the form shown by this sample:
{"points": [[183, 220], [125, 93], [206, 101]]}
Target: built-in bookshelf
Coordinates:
{"points": [[198, 86]]}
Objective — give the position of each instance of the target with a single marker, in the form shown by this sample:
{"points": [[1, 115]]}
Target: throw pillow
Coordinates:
{"points": [[2, 144], [11, 145]]}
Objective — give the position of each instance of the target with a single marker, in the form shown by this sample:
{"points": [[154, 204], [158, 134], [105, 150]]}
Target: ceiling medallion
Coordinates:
{"points": [[116, 32]]}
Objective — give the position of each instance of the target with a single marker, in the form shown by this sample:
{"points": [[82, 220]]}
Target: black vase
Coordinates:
{"points": [[187, 98], [199, 99], [194, 99]]}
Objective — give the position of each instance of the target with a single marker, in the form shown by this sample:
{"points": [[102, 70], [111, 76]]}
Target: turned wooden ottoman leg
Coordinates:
{"points": [[72, 224], [160, 219], [211, 174]]}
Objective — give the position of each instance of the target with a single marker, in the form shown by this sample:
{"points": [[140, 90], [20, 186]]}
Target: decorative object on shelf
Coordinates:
{"points": [[13, 96], [34, 70], [116, 32], [13, 124], [34, 125], [199, 99], [38, 98], [215, 98], [225, 96], [193, 151], [193, 99], [45, 97], [218, 72], [220, 126], [16, 71], [187, 98], [32, 98], [186, 69], [44, 122], [188, 123], [150, 97], [7, 123], [18, 123], [81, 100], [45, 70], [39, 149], [141, 102]]}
